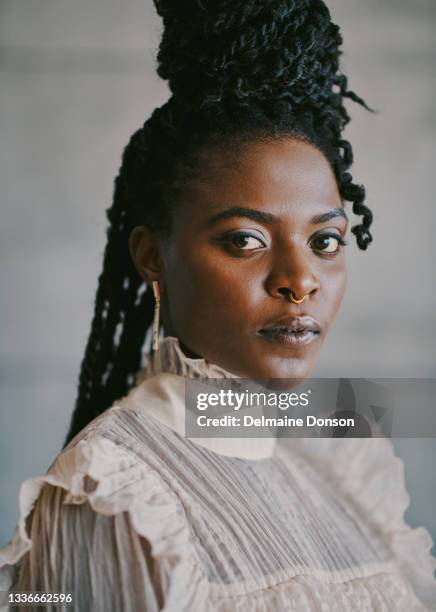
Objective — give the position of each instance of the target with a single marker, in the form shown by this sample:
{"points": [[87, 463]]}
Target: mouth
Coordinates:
{"points": [[295, 332]]}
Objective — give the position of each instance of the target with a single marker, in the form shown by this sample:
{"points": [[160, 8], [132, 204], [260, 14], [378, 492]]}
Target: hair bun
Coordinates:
{"points": [[213, 50]]}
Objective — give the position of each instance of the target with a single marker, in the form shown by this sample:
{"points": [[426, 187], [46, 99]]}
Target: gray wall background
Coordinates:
{"points": [[76, 79]]}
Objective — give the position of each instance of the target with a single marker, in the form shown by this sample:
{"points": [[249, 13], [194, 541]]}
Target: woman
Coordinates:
{"points": [[227, 231]]}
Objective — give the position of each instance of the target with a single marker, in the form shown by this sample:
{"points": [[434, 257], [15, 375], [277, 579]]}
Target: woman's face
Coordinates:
{"points": [[247, 233]]}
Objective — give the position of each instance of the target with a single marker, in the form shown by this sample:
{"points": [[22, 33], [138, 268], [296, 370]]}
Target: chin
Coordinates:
{"points": [[296, 365], [284, 372]]}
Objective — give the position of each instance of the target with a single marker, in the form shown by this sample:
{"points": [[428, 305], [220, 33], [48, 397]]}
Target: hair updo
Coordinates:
{"points": [[239, 71]]}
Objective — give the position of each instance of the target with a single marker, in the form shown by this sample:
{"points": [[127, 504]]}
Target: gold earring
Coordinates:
{"points": [[156, 315]]}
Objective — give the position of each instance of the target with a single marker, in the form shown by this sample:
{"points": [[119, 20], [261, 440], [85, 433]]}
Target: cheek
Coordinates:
{"points": [[334, 285], [209, 284]]}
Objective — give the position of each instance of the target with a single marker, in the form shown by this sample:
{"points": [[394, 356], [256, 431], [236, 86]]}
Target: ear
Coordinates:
{"points": [[145, 252]]}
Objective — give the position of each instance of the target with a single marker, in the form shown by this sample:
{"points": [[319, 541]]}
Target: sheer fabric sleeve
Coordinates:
{"points": [[103, 520], [101, 560]]}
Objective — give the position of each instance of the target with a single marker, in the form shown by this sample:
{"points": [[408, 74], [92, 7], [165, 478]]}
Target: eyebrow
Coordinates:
{"points": [[264, 217]]}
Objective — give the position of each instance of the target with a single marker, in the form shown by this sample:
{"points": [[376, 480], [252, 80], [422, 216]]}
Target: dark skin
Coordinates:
{"points": [[221, 281]]}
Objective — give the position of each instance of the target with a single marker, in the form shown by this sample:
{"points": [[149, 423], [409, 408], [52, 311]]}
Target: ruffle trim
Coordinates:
{"points": [[371, 475], [170, 359], [98, 471]]}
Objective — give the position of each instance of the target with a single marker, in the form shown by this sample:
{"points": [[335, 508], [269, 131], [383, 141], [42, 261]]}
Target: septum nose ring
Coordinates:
{"points": [[294, 299]]}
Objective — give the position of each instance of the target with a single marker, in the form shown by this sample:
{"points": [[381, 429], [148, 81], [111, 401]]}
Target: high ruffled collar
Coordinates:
{"points": [[169, 358], [160, 392]]}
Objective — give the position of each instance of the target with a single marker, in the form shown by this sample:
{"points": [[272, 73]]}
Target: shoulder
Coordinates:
{"points": [[97, 474], [369, 474]]}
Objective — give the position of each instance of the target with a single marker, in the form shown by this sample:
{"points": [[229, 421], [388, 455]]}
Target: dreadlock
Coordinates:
{"points": [[238, 71]]}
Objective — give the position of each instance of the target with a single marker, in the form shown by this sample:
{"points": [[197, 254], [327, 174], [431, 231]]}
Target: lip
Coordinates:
{"points": [[292, 331]]}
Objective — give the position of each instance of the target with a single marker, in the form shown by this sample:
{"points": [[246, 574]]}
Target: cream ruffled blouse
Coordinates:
{"points": [[132, 516]]}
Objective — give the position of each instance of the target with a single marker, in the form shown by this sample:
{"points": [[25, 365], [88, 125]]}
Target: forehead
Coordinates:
{"points": [[281, 176]]}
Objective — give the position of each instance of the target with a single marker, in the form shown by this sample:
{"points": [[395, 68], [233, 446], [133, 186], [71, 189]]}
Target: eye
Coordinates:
{"points": [[244, 241], [328, 243]]}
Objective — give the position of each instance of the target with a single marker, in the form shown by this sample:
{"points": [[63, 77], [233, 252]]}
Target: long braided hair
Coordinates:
{"points": [[238, 71]]}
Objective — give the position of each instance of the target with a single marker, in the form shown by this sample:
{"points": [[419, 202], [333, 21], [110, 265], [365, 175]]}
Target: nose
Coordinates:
{"points": [[293, 274]]}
